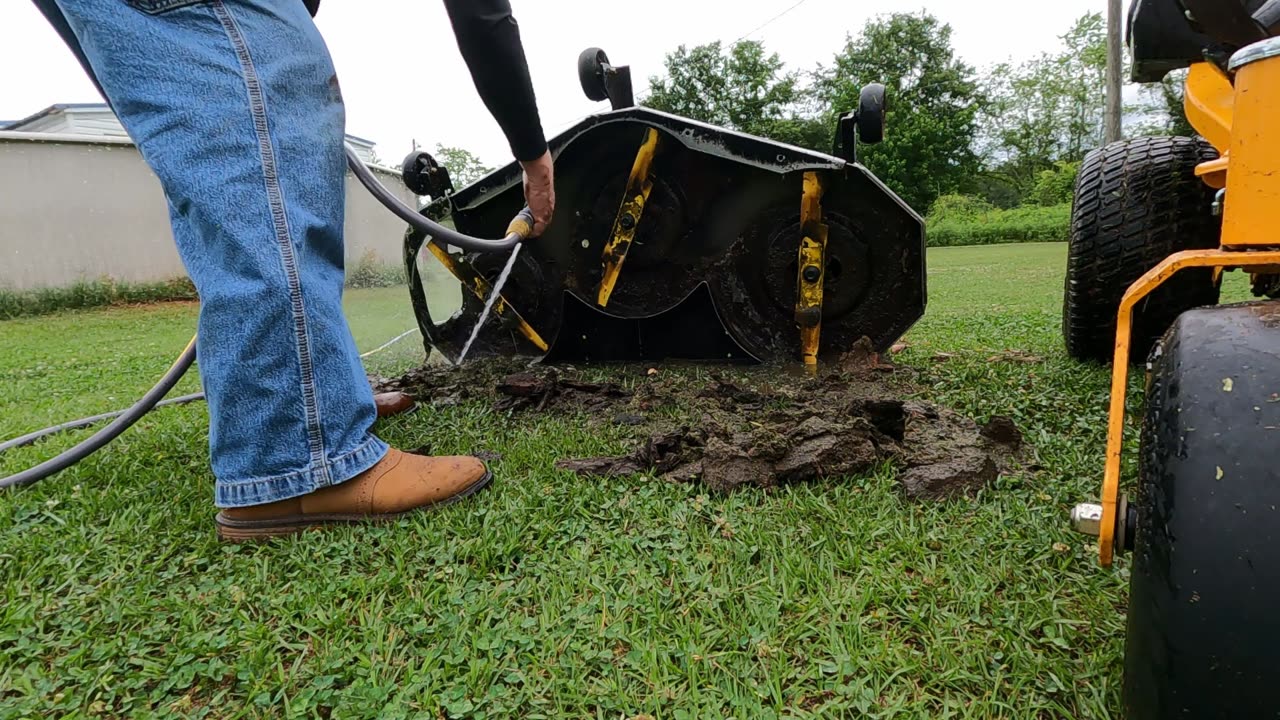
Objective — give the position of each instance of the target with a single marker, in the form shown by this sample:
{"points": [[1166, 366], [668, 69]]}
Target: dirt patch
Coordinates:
{"points": [[509, 385], [537, 390], [748, 427], [1001, 429], [664, 454]]}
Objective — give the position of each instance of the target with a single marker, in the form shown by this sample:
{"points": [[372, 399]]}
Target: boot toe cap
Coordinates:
{"points": [[421, 481]]}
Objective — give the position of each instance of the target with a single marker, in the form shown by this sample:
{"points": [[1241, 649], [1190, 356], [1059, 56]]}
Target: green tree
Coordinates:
{"points": [[1082, 74], [1056, 186], [932, 104], [464, 167], [1162, 108], [1046, 110], [806, 131], [1173, 93], [742, 88]]}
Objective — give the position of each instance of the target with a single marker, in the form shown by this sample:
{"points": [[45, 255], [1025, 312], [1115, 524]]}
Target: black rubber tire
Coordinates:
{"points": [[424, 176], [872, 104], [1205, 569], [591, 74], [1136, 203]]}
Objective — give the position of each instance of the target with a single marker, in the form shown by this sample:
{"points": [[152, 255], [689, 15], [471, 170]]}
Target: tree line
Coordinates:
{"points": [[1010, 135]]}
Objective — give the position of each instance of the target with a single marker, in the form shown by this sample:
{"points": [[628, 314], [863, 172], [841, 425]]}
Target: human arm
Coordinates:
{"points": [[489, 40]]}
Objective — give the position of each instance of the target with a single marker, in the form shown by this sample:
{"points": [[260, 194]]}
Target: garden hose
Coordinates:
{"points": [[99, 439], [520, 229], [33, 438]]}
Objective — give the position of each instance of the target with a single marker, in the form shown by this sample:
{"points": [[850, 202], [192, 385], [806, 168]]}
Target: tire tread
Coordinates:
{"points": [[1136, 203]]}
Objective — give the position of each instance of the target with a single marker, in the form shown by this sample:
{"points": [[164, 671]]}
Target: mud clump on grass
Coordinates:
{"points": [[536, 390], [446, 386], [509, 384], [763, 427]]}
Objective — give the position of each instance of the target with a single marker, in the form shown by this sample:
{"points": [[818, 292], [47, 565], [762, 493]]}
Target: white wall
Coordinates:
{"points": [[82, 209]]}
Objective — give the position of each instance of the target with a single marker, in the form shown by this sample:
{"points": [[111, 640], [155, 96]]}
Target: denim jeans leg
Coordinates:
{"points": [[236, 107]]}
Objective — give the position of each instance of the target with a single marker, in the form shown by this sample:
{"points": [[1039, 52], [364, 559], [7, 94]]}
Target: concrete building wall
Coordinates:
{"points": [[75, 208]]}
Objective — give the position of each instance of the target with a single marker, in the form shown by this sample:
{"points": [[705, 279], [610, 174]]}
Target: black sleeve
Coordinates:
{"points": [[489, 39]]}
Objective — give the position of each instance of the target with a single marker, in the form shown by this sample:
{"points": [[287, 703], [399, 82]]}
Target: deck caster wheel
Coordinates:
{"points": [[591, 74], [1206, 562], [864, 125], [424, 176], [872, 104]]}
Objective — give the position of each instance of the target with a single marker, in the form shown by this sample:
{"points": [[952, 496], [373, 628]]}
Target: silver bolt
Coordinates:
{"points": [[1086, 518], [1218, 201]]}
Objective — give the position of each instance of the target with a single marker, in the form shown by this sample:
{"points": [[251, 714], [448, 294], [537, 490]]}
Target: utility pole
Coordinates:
{"points": [[1115, 63]]}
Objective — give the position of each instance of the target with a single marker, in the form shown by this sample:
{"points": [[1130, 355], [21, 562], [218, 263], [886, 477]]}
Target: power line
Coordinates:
{"points": [[770, 21]]}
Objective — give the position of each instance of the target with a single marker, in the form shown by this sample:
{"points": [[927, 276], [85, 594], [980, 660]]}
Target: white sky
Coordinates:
{"points": [[403, 78]]}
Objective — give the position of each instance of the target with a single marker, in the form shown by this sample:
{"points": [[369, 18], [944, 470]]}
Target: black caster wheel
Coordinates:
{"points": [[591, 73], [871, 107], [424, 176]]}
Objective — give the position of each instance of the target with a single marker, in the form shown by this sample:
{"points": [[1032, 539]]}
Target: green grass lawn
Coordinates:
{"points": [[550, 596]]}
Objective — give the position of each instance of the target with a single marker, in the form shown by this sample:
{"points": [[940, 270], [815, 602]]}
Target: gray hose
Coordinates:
{"points": [[99, 439], [443, 235], [33, 438], [520, 229]]}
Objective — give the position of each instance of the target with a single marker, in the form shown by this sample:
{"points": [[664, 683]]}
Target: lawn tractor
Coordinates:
{"points": [[675, 239], [1156, 221]]}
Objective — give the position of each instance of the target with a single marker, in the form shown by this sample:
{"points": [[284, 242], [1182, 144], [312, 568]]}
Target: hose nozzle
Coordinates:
{"points": [[521, 225]]}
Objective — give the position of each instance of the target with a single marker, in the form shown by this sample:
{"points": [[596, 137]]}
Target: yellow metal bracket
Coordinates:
{"points": [[812, 269], [475, 282], [639, 185], [1238, 119], [1255, 260], [1208, 101]]}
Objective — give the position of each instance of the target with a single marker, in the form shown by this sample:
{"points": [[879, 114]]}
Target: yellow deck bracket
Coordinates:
{"points": [[480, 287], [1237, 120], [639, 185], [1209, 104], [812, 269], [1254, 260], [1214, 172]]}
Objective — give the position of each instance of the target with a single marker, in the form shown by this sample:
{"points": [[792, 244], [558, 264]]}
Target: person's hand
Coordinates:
{"points": [[540, 191]]}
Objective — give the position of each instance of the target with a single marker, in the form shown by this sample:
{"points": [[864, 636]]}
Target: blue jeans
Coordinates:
{"points": [[235, 106]]}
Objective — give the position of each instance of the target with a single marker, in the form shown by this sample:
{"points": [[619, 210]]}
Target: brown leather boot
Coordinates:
{"points": [[399, 484], [394, 403]]}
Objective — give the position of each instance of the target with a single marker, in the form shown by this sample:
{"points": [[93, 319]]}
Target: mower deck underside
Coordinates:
{"points": [[679, 240]]}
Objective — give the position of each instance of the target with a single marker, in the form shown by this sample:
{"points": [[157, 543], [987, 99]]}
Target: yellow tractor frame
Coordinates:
{"points": [[1233, 113]]}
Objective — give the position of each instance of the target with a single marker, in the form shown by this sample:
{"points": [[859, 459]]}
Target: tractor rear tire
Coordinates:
{"points": [[1136, 203], [1205, 573]]}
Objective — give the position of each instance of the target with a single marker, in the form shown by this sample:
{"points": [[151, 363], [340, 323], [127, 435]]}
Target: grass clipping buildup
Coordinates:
{"points": [[729, 428]]}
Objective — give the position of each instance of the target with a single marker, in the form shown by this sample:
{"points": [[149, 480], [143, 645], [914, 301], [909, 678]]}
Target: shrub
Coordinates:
{"points": [[367, 272], [1054, 187], [953, 208], [1019, 225], [90, 294], [370, 272]]}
